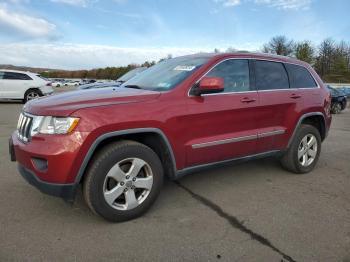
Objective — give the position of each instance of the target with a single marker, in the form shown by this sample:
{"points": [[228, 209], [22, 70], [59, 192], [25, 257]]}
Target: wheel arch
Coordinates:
{"points": [[315, 119], [151, 137]]}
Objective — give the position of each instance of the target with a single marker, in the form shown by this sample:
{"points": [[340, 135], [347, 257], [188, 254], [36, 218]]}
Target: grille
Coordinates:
{"points": [[24, 127]]}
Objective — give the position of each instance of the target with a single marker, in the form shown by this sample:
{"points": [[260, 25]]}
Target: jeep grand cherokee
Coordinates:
{"points": [[179, 116]]}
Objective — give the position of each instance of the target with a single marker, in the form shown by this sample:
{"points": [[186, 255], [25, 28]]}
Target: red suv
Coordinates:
{"points": [[177, 117]]}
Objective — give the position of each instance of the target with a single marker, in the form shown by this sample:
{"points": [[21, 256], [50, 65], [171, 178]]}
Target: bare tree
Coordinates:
{"points": [[340, 61], [325, 56], [279, 45]]}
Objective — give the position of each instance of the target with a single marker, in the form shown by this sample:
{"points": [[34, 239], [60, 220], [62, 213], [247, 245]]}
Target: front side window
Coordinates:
{"points": [[16, 76], [235, 73], [270, 75], [167, 74], [299, 77], [2, 75]]}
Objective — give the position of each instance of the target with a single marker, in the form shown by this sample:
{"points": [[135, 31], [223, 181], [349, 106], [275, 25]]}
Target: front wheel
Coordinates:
{"points": [[123, 180], [304, 151]]}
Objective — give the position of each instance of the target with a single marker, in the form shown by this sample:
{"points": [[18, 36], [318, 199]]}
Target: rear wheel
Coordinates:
{"points": [[302, 155], [31, 94], [123, 181]]}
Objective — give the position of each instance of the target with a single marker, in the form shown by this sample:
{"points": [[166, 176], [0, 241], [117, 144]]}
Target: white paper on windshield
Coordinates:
{"points": [[163, 84], [184, 68]]}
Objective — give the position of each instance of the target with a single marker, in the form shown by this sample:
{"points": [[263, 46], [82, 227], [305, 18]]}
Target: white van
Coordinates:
{"points": [[22, 85]]}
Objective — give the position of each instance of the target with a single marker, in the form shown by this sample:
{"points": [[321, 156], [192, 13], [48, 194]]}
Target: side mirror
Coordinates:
{"points": [[209, 85]]}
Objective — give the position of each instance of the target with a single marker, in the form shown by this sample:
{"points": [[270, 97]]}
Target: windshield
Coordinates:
{"points": [[131, 74], [167, 74]]}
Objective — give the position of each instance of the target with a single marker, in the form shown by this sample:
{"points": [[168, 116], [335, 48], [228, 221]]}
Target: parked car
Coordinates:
{"points": [[23, 85], [99, 85], [72, 83], [180, 116], [132, 73], [57, 82], [87, 81], [345, 91], [338, 100]]}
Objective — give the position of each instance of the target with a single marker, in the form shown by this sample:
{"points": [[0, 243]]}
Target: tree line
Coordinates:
{"points": [[112, 73], [100, 73], [330, 59]]}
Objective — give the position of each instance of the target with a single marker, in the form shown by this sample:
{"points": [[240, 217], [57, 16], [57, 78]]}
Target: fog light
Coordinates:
{"points": [[40, 164]]}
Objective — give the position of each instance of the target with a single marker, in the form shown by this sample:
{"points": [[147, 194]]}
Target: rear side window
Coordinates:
{"points": [[299, 77], [16, 76], [270, 75], [235, 73]]}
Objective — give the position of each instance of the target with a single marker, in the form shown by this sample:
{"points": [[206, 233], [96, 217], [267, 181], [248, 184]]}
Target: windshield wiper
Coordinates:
{"points": [[133, 86]]}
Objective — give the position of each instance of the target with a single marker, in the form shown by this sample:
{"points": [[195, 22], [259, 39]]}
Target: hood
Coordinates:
{"points": [[66, 103]]}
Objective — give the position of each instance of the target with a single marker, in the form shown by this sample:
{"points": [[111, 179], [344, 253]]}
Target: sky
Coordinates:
{"points": [[85, 34]]}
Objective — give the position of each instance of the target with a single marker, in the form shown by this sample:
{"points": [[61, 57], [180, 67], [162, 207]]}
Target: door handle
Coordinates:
{"points": [[295, 96], [248, 100]]}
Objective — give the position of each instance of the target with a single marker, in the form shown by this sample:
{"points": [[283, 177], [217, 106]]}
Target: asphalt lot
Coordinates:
{"points": [[253, 211]]}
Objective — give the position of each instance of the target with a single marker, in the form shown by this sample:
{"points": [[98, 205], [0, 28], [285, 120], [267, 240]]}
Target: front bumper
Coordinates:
{"points": [[50, 163], [65, 191]]}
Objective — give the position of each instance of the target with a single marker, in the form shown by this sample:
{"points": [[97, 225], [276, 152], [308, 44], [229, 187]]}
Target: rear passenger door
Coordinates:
{"points": [[279, 105]]}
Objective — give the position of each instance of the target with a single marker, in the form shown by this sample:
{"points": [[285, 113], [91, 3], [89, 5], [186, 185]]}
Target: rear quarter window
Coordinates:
{"points": [[300, 77]]}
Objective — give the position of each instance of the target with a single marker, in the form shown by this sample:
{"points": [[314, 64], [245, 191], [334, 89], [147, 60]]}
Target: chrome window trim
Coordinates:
{"points": [[229, 93], [250, 91], [238, 139]]}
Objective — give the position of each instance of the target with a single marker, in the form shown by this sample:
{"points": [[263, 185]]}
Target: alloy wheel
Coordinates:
{"points": [[32, 95], [307, 150], [128, 183], [337, 108]]}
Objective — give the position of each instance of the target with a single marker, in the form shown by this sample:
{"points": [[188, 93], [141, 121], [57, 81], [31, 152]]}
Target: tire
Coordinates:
{"points": [[31, 94], [106, 179], [291, 161], [336, 108]]}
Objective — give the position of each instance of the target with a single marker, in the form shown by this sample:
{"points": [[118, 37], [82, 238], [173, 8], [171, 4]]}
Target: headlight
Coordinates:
{"points": [[53, 125]]}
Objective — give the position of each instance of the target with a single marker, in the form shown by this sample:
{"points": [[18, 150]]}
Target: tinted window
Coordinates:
{"points": [[16, 76], [299, 77], [270, 75], [235, 74], [2, 75]]}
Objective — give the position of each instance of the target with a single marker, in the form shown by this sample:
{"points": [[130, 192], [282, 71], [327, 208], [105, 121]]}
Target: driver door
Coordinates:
{"points": [[222, 126]]}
